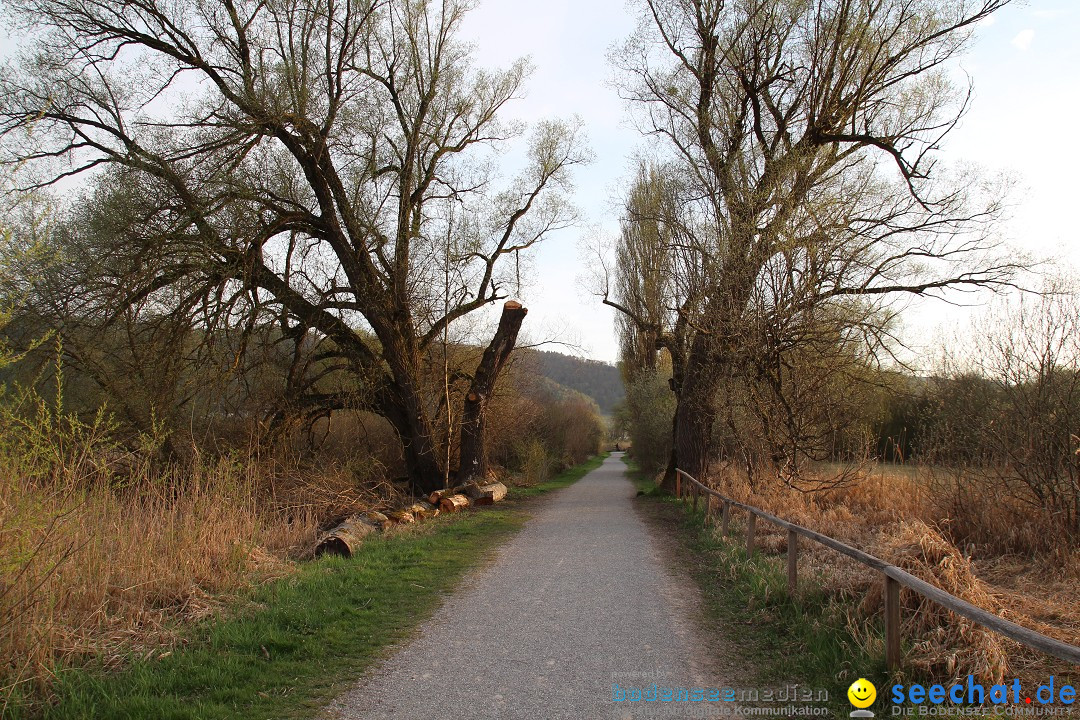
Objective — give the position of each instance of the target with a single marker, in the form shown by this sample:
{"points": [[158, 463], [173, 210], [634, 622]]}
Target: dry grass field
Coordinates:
{"points": [[95, 571], [987, 549]]}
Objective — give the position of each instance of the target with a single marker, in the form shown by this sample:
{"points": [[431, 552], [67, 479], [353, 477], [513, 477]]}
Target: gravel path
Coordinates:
{"points": [[579, 600]]}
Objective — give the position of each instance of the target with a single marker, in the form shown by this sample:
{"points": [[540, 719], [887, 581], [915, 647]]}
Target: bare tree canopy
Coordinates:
{"points": [[800, 141], [324, 163]]}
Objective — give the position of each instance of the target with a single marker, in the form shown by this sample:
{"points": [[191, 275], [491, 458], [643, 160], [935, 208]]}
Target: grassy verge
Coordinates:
{"points": [[782, 640], [289, 646], [562, 480]]}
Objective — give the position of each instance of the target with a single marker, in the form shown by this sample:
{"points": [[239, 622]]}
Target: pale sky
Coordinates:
{"points": [[1026, 69]]}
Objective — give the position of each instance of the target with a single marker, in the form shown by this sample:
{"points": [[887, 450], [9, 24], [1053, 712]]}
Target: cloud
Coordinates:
{"points": [[1023, 39]]}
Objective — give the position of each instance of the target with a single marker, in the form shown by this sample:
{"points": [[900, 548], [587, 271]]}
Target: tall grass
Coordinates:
{"points": [[101, 552], [285, 648], [903, 516]]}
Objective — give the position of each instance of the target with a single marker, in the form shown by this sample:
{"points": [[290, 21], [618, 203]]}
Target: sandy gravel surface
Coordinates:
{"points": [[580, 600]]}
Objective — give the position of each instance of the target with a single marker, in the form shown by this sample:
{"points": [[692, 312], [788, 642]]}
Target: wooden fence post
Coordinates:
{"points": [[892, 623], [792, 562], [724, 517], [697, 492], [678, 485], [751, 524]]}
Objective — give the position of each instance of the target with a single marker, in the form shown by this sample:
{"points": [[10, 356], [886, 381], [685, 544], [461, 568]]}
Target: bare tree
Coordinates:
{"points": [[804, 136], [658, 281], [303, 161], [1008, 422], [644, 281]]}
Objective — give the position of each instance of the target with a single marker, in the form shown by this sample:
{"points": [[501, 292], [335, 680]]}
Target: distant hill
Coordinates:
{"points": [[598, 380]]}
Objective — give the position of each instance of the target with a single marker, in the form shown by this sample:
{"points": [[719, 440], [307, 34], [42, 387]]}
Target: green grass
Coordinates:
{"points": [[641, 481], [782, 640], [562, 480], [290, 646]]}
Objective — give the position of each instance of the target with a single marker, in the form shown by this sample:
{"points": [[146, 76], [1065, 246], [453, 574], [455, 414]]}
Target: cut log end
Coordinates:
{"points": [[454, 503], [401, 517], [436, 497], [333, 546], [379, 520], [346, 538]]}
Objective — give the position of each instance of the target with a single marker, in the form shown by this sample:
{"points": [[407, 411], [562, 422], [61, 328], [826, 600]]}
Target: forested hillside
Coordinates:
{"points": [[598, 380]]}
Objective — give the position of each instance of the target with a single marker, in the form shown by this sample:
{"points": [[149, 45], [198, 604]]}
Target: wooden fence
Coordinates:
{"points": [[893, 577]]}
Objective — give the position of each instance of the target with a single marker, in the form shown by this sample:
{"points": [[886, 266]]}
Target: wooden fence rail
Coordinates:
{"points": [[893, 578]]}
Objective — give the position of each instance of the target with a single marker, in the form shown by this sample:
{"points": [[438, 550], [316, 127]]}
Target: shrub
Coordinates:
{"points": [[650, 406]]}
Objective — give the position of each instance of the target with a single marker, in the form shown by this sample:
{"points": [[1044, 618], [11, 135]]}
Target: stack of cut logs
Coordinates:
{"points": [[346, 538]]}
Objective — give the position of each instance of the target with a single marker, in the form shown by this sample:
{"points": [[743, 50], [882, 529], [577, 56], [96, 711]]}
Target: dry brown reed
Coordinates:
{"points": [[104, 552], [90, 570], [984, 550], [947, 646]]}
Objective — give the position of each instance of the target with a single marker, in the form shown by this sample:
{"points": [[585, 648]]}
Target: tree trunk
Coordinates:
{"points": [[668, 482], [473, 456], [405, 410], [676, 347], [696, 409], [710, 360], [677, 379]]}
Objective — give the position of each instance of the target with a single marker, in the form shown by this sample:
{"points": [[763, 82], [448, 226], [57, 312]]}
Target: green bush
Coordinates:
{"points": [[650, 406]]}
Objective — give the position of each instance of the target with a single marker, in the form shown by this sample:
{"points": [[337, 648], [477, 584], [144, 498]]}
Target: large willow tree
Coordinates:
{"points": [[801, 138], [329, 165]]}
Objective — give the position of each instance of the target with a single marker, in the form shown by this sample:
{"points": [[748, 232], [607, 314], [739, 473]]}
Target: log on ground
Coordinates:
{"points": [[346, 538], [401, 517], [379, 520], [436, 497], [423, 510], [487, 494], [453, 503]]}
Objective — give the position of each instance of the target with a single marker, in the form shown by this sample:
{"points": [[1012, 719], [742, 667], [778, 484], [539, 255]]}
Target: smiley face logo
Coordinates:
{"points": [[862, 693]]}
